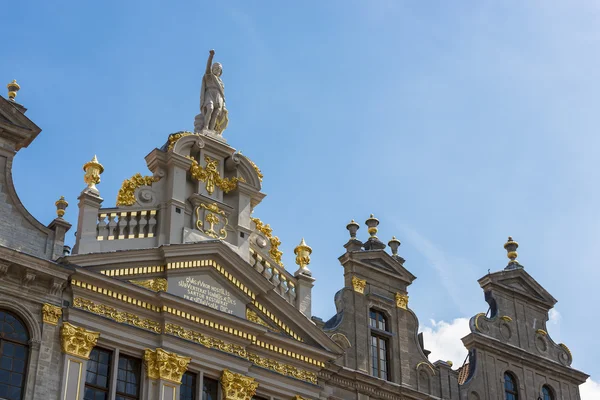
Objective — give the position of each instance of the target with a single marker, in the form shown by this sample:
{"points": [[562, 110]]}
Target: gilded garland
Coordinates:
{"points": [[210, 175], [116, 315], [126, 195], [266, 230]]}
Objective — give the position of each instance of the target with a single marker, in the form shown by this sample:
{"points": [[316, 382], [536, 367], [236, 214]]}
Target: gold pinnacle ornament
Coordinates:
{"points": [[61, 204], [303, 252], [13, 88], [511, 250], [92, 169]]}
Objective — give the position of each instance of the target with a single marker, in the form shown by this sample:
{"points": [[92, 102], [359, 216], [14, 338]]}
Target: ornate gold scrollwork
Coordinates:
{"points": [[210, 175], [211, 216], [51, 314], [77, 341], [160, 364], [116, 315], [174, 137], [126, 196], [266, 230], [156, 284], [252, 316], [237, 386], [402, 301], [359, 284]]}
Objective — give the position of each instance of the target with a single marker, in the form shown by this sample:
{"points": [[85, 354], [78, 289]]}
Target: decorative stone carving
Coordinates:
{"points": [[51, 314], [93, 169], [359, 285], [266, 230], [402, 301], [121, 317], [210, 175], [213, 216], [253, 317], [126, 195], [156, 284], [237, 386], [77, 341], [160, 364], [213, 114]]}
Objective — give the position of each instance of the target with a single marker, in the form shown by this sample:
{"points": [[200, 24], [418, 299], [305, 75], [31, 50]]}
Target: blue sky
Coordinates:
{"points": [[455, 123]]}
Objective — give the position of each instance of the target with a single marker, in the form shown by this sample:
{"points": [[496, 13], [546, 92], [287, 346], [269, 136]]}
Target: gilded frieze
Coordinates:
{"points": [[51, 314], [161, 364], [156, 284], [237, 386], [116, 315], [77, 341]]}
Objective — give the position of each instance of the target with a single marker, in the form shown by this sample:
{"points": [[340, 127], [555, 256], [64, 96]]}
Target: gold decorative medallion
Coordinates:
{"points": [[210, 175], [359, 284], [237, 386], [51, 314], [211, 216], [402, 301], [156, 284], [77, 341], [126, 196], [160, 364], [266, 230]]}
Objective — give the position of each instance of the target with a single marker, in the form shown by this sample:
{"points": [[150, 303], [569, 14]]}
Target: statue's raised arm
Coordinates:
{"points": [[213, 114]]}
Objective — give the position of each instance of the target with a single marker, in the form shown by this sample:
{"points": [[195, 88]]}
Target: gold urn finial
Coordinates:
{"points": [[61, 204], [303, 252], [92, 169], [13, 88], [372, 223], [511, 251]]}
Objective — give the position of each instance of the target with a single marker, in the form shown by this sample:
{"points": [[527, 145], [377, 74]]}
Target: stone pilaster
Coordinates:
{"points": [[89, 206], [164, 371], [77, 344], [304, 293], [237, 386]]}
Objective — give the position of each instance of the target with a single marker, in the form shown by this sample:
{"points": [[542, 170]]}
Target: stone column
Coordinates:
{"points": [[77, 343], [237, 386], [304, 293], [89, 206], [164, 371], [60, 228]]}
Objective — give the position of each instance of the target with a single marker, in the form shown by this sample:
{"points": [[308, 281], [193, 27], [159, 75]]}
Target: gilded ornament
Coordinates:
{"points": [[210, 175], [77, 341], [174, 137], [237, 386], [116, 315], [297, 397], [359, 284], [258, 171], [541, 332], [13, 88], [506, 318], [252, 316], [93, 169], [61, 205], [511, 250], [266, 230], [303, 252], [564, 346], [155, 284], [126, 195], [402, 301], [161, 364], [211, 216], [51, 314]]}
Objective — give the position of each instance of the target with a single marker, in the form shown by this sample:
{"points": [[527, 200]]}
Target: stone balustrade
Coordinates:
{"points": [[284, 283], [115, 224]]}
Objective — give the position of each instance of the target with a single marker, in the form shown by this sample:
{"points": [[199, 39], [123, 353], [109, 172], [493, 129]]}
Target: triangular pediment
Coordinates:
{"points": [[15, 126], [387, 266], [518, 281]]}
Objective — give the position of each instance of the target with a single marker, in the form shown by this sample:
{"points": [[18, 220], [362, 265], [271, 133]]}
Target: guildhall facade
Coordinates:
{"points": [[178, 292]]}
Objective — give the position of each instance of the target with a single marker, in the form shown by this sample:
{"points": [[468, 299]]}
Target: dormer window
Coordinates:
{"points": [[379, 344]]}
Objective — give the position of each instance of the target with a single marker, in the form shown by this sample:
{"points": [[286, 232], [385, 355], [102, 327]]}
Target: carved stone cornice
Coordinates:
{"points": [[160, 364], [51, 314], [27, 278], [237, 386], [77, 341]]}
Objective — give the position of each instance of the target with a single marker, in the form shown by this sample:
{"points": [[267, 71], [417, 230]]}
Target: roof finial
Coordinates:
{"points": [[372, 223], [303, 252], [394, 244], [61, 204], [352, 228], [13, 88], [93, 169], [511, 252]]}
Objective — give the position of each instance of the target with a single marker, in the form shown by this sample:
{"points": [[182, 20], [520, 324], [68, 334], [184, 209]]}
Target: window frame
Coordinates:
{"points": [[515, 383], [110, 376], [380, 336], [139, 379], [26, 344], [196, 378], [550, 392]]}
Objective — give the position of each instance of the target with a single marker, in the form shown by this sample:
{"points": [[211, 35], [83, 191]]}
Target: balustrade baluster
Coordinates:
{"points": [[152, 224], [112, 226], [102, 229], [122, 225], [132, 228], [143, 224]]}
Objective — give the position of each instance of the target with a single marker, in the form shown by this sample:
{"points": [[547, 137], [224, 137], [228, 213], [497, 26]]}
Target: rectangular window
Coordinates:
{"points": [[98, 375], [187, 390], [379, 354], [210, 389], [128, 378]]}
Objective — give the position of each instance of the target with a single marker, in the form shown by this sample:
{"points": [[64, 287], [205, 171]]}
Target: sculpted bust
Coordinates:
{"points": [[213, 114]]}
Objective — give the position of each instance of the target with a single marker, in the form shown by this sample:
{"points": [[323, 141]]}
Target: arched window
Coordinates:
{"points": [[547, 393], [14, 351], [379, 344], [510, 387]]}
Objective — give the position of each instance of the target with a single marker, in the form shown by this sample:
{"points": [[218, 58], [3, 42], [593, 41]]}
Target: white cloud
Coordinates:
{"points": [[554, 316], [590, 390], [443, 339]]}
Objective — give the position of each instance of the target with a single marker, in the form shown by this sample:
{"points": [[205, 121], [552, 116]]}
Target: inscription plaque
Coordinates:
{"points": [[206, 290]]}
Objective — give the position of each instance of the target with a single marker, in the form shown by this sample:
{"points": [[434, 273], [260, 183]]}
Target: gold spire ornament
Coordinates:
{"points": [[92, 169], [511, 252], [13, 88], [61, 204], [303, 252], [372, 223]]}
